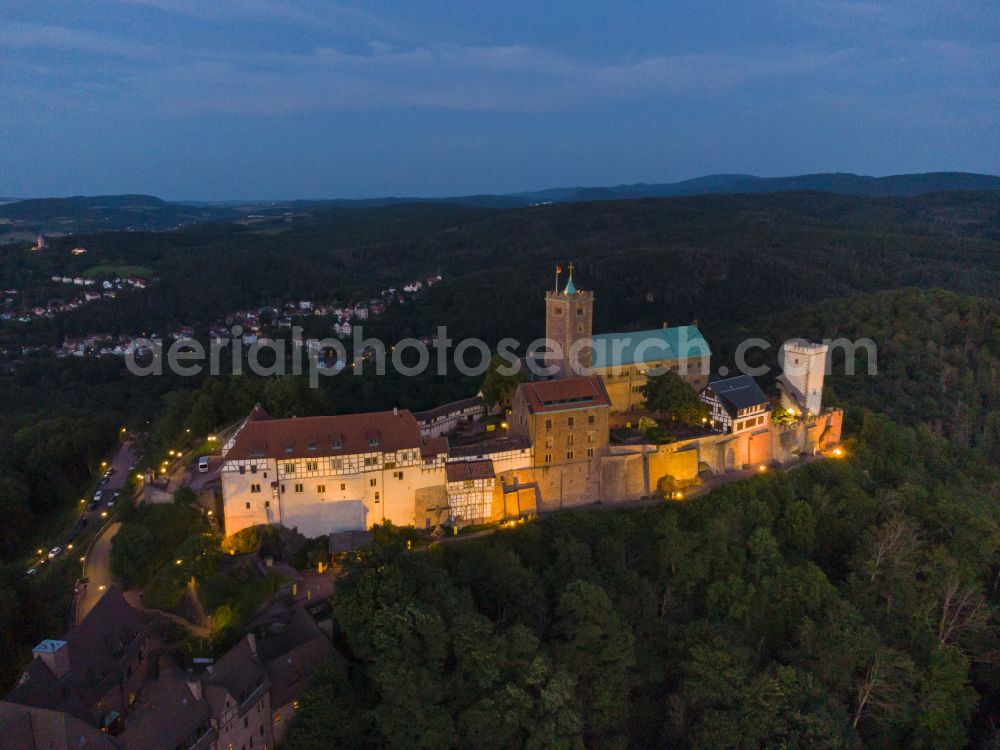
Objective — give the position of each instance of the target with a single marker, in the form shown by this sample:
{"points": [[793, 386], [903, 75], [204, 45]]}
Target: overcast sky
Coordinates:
{"points": [[229, 99]]}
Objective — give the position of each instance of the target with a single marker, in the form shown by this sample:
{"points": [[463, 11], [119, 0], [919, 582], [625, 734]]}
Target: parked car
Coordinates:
{"points": [[203, 464], [92, 506], [111, 471], [31, 571], [55, 552], [111, 503], [104, 479]]}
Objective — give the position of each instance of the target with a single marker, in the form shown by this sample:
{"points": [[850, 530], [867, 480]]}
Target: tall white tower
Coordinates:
{"points": [[803, 366]]}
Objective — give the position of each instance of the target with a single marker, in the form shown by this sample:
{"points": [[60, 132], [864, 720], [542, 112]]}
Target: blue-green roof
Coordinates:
{"points": [[570, 287], [640, 347]]}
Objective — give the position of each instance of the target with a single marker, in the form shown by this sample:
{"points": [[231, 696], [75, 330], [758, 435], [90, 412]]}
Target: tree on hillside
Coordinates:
{"points": [[498, 389], [669, 395]]}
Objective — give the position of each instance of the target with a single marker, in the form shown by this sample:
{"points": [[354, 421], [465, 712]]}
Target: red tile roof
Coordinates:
{"points": [[344, 434], [563, 395], [461, 471]]}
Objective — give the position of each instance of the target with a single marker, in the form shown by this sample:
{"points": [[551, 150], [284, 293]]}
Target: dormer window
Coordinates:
{"points": [[336, 445], [373, 441], [312, 446]]}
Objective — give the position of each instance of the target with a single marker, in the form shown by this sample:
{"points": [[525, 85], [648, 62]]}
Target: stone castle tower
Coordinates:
{"points": [[569, 323], [803, 365]]}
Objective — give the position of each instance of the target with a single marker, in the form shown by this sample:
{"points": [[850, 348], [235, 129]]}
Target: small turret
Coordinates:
{"points": [[570, 286]]}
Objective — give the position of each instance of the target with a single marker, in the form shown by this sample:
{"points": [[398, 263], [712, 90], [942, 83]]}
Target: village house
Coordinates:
{"points": [[736, 404]]}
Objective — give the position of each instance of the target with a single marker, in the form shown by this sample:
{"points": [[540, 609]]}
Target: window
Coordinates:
{"points": [[548, 424], [569, 439], [312, 465], [372, 482], [371, 461], [591, 419], [570, 421], [558, 311], [298, 487], [243, 470], [343, 486], [590, 436], [569, 455], [248, 506], [376, 497], [255, 488], [321, 488], [295, 705], [548, 458], [337, 463], [590, 452], [548, 441], [579, 310], [373, 441], [289, 468], [397, 474], [267, 503]]}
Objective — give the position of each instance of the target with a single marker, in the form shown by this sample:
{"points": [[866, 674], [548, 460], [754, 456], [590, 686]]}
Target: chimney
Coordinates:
{"points": [[55, 654], [665, 324], [395, 411], [194, 686]]}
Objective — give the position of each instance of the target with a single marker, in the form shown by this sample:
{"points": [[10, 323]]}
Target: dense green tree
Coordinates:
{"points": [[669, 395]]}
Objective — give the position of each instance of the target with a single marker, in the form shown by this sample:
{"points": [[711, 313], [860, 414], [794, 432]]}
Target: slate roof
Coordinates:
{"points": [[445, 410], [293, 655], [547, 396], [239, 673], [740, 392], [28, 728], [306, 437], [167, 715], [109, 636], [486, 447], [641, 347]]}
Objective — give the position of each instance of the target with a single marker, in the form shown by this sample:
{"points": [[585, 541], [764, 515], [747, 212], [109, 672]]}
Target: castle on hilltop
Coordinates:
{"points": [[349, 472]]}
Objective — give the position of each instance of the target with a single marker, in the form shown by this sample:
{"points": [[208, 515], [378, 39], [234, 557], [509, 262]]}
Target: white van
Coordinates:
{"points": [[203, 464]]}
